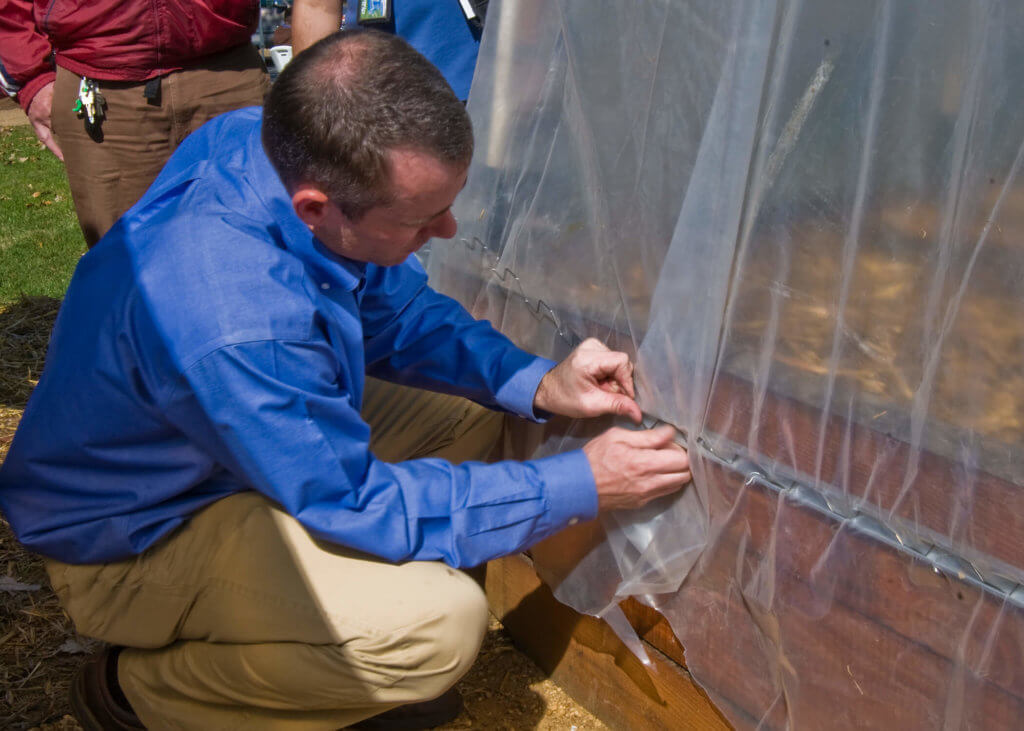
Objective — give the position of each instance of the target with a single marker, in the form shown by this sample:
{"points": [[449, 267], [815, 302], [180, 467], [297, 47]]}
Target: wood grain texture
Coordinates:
{"points": [[586, 659], [979, 515], [801, 619]]}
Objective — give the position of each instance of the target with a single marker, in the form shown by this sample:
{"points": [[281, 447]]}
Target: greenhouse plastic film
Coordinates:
{"points": [[805, 221]]}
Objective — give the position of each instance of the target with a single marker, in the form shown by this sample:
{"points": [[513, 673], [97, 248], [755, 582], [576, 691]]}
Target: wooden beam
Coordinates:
{"points": [[871, 465], [839, 630], [585, 658], [890, 641]]}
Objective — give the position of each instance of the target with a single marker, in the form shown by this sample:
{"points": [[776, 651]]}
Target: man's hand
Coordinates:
{"points": [[313, 20], [592, 381], [631, 468], [39, 116]]}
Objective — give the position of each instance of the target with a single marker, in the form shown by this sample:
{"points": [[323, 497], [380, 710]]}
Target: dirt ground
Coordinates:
{"points": [[39, 649]]}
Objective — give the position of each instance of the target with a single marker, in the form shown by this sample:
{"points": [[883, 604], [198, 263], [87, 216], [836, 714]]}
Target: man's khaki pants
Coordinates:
{"points": [[240, 620]]}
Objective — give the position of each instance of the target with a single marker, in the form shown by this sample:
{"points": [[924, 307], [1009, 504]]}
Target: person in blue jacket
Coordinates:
{"points": [[225, 481], [439, 29]]}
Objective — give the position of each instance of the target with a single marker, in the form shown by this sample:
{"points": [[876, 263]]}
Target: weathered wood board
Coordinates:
{"points": [[801, 616], [585, 658], [894, 643]]}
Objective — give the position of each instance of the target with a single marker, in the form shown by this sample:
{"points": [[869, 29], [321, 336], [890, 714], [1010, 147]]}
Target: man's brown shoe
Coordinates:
{"points": [[96, 698], [414, 716]]}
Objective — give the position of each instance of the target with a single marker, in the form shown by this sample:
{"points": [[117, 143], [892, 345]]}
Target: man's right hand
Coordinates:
{"points": [[39, 115], [631, 468]]}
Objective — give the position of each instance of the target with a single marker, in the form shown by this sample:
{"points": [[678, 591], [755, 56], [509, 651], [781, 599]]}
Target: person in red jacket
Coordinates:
{"points": [[156, 72]]}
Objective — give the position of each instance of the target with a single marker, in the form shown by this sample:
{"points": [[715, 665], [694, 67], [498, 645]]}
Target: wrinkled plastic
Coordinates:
{"points": [[806, 222]]}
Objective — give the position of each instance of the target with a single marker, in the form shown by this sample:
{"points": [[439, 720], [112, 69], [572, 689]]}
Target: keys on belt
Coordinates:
{"points": [[90, 105]]}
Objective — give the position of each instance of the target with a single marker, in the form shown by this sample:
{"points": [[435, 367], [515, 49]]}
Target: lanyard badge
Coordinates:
{"points": [[373, 12]]}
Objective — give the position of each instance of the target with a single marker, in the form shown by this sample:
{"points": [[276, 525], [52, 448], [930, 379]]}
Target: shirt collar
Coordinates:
{"points": [[295, 236]]}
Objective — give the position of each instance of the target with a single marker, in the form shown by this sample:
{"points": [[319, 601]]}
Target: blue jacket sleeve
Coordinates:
{"points": [[419, 337], [273, 414]]}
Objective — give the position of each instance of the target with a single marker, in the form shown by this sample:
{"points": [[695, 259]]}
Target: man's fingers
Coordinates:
{"points": [[629, 408], [631, 468], [619, 404], [623, 377], [666, 461], [592, 381], [45, 136], [613, 371], [657, 438], [669, 483], [601, 401], [51, 145], [592, 344], [606, 364]]}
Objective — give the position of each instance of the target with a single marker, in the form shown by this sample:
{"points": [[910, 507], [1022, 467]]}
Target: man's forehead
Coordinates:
{"points": [[418, 176]]}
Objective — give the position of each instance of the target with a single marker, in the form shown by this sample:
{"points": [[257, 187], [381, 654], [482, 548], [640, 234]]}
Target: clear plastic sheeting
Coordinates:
{"points": [[806, 222]]}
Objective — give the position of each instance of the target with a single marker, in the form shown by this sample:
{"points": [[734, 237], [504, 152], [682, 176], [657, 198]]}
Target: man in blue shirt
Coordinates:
{"points": [[439, 29], [214, 482]]}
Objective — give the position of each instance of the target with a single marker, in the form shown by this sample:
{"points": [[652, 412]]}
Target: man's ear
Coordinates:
{"points": [[311, 205]]}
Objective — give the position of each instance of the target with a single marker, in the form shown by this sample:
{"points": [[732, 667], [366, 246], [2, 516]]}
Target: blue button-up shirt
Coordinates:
{"points": [[210, 344]]}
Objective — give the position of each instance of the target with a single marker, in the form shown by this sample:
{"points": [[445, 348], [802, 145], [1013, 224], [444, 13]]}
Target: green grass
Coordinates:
{"points": [[40, 242]]}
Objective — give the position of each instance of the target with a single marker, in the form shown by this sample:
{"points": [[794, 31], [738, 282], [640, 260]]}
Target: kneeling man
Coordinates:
{"points": [[224, 464]]}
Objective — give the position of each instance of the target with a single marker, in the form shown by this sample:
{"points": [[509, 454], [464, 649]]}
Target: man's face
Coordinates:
{"points": [[423, 189]]}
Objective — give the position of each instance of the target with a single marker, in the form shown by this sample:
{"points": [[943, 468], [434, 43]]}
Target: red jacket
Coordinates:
{"points": [[122, 40]]}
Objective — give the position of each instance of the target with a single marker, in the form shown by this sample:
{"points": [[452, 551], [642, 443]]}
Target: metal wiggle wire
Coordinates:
{"points": [[539, 310], [793, 486]]}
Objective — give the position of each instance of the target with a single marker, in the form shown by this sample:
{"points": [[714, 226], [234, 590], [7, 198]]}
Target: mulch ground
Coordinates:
{"points": [[40, 651]]}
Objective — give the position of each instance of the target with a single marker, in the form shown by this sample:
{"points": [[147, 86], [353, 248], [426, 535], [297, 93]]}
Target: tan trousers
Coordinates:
{"points": [[109, 175], [240, 620]]}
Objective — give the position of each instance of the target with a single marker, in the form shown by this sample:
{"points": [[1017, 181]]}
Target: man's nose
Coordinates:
{"points": [[444, 226]]}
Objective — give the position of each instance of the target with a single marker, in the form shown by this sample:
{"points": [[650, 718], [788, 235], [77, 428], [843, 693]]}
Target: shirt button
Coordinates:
{"points": [[325, 285], [573, 521]]}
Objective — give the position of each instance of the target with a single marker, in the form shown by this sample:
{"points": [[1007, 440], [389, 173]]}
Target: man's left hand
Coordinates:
{"points": [[592, 381], [39, 116]]}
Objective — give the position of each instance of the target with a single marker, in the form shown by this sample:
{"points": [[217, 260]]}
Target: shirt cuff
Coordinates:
{"points": [[28, 92], [518, 393], [569, 489]]}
